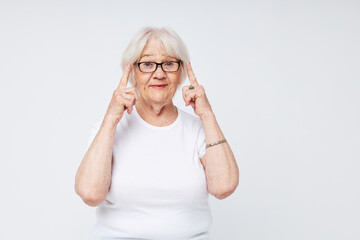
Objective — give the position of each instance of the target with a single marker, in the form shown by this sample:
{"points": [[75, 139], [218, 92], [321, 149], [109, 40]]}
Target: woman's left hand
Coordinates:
{"points": [[195, 97]]}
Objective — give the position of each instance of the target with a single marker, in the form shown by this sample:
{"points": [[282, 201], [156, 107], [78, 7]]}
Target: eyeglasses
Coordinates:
{"points": [[148, 67]]}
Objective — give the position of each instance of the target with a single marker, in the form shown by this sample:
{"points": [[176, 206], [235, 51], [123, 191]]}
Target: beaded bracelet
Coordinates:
{"points": [[215, 143]]}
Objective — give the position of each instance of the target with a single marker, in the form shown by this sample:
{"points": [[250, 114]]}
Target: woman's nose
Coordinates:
{"points": [[159, 73]]}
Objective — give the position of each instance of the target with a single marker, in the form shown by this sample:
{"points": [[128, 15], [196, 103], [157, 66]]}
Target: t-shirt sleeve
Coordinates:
{"points": [[201, 143]]}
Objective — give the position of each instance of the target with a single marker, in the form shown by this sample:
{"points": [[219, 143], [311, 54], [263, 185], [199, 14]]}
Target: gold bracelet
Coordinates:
{"points": [[213, 144]]}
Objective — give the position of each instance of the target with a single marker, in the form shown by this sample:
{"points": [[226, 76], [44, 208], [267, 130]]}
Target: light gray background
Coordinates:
{"points": [[282, 78]]}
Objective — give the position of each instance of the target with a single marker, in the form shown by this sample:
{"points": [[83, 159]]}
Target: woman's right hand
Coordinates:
{"points": [[123, 98]]}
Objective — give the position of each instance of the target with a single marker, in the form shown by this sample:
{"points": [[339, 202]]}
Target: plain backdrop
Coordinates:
{"points": [[282, 78]]}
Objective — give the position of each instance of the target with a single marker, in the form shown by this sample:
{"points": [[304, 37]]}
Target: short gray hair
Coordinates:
{"points": [[172, 42]]}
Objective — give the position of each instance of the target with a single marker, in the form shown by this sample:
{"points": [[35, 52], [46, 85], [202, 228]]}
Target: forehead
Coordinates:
{"points": [[154, 48], [153, 55]]}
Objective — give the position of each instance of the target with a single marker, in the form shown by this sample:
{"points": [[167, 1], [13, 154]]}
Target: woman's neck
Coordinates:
{"points": [[157, 114]]}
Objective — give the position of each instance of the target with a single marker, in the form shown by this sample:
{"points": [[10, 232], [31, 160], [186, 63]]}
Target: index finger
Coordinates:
{"points": [[191, 74], [125, 77]]}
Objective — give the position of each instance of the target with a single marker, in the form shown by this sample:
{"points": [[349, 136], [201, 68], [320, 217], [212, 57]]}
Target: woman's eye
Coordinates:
{"points": [[169, 63], [148, 64]]}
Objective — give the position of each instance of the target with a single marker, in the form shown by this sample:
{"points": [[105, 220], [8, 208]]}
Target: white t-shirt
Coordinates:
{"points": [[158, 187]]}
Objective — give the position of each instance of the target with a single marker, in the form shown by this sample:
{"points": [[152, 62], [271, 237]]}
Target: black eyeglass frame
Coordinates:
{"points": [[161, 64]]}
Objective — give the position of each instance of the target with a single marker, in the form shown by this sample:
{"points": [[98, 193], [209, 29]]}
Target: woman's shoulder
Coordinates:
{"points": [[189, 118]]}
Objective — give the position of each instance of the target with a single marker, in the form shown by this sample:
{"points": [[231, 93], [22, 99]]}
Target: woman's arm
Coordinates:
{"points": [[93, 177], [222, 172]]}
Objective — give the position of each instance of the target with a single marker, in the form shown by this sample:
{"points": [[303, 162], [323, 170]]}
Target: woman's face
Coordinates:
{"points": [[146, 82]]}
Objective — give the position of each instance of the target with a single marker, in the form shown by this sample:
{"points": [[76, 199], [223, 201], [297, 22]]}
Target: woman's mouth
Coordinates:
{"points": [[159, 86]]}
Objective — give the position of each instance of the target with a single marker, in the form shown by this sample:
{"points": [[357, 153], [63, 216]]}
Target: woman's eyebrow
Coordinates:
{"points": [[150, 55]]}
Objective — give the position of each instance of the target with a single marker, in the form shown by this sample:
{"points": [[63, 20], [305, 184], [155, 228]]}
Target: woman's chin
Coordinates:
{"points": [[159, 100]]}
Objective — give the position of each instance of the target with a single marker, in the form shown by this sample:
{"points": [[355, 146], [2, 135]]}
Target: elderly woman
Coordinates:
{"points": [[150, 166]]}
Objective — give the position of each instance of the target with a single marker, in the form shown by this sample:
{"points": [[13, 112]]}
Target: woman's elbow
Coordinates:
{"points": [[224, 192], [92, 202], [89, 198]]}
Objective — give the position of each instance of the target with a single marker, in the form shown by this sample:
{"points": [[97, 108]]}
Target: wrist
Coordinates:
{"points": [[207, 115], [111, 121]]}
